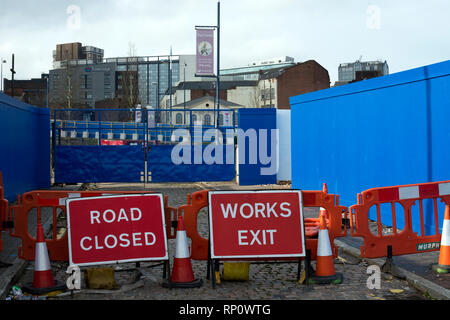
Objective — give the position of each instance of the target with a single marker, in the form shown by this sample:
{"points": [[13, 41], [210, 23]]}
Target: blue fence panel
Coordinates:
{"points": [[163, 169], [380, 132], [256, 119], [75, 164], [24, 146]]}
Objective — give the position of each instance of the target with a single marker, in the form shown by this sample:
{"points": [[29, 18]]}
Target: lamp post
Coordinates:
{"points": [[158, 115], [2, 61], [46, 76], [184, 92], [217, 76]]}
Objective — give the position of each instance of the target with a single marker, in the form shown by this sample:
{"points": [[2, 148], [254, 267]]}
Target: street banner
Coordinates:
{"points": [[205, 52], [113, 229], [256, 224]]}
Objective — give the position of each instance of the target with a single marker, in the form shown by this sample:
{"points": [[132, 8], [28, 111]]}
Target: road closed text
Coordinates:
{"points": [[123, 240]]}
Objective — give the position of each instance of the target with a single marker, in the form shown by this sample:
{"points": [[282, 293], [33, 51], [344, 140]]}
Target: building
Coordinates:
{"points": [[82, 85], [258, 85], [359, 70], [81, 77], [239, 92], [76, 53], [276, 86], [33, 91], [252, 71], [155, 74], [202, 111]]}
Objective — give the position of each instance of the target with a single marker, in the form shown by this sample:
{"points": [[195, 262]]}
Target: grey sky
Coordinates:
{"points": [[406, 33]]}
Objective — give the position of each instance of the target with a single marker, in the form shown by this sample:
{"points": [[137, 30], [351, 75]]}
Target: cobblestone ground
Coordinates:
{"points": [[274, 281]]}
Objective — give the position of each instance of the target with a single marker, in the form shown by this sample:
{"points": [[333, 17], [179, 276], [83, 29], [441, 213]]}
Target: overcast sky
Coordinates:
{"points": [[406, 33]]}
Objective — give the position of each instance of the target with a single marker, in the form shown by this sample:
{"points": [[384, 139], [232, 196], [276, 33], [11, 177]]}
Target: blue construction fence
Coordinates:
{"points": [[135, 145], [24, 146], [136, 125], [387, 131]]}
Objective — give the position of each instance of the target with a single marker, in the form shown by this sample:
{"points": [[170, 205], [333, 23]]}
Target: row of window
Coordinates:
{"points": [[206, 119]]}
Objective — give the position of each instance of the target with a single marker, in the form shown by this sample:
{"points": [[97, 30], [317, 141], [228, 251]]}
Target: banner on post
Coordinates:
{"points": [[205, 52]]}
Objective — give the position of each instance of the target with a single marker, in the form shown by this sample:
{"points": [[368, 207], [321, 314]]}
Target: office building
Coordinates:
{"points": [[155, 74], [82, 85]]}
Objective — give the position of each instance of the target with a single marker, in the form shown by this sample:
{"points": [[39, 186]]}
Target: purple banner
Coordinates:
{"points": [[205, 52]]}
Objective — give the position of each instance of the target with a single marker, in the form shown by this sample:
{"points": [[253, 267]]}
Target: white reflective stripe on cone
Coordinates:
{"points": [[323, 247], [445, 238], [182, 250], [41, 260]]}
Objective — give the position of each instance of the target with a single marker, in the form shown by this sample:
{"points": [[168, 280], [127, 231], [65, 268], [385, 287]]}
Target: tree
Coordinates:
{"points": [[129, 81]]}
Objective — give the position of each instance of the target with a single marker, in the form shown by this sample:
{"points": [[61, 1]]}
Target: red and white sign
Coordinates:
{"points": [[256, 224], [113, 229]]}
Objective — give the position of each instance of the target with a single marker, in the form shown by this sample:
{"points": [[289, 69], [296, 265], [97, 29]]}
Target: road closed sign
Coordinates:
{"points": [[256, 224], [112, 229]]}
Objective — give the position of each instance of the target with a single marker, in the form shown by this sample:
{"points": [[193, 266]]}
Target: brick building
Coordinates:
{"points": [[257, 86], [33, 91], [276, 86]]}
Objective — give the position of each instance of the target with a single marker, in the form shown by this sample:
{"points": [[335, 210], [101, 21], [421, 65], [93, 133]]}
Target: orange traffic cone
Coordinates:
{"points": [[325, 272], [182, 275], [444, 253], [43, 281]]}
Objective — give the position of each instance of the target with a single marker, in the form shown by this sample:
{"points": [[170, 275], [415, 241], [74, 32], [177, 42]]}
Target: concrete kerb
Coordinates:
{"points": [[419, 283]]}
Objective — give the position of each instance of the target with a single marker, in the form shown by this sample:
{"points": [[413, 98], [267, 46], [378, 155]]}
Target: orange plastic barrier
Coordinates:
{"points": [[55, 201], [335, 212], [195, 202], [330, 202], [402, 242]]}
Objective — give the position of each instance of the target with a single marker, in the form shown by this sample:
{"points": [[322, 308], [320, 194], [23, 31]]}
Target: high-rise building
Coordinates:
{"points": [[75, 53], [155, 74]]}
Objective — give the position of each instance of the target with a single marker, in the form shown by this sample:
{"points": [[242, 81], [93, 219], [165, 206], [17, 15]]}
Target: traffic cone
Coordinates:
{"points": [[444, 254], [325, 272], [182, 275], [43, 281]]}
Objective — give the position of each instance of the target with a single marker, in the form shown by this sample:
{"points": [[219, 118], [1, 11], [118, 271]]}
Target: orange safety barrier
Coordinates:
{"points": [[195, 202], [335, 213], [402, 242], [56, 202], [330, 202]]}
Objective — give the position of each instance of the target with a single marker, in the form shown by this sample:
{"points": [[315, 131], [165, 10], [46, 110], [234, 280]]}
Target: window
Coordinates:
{"points": [[194, 118], [220, 119], [179, 118], [207, 120]]}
